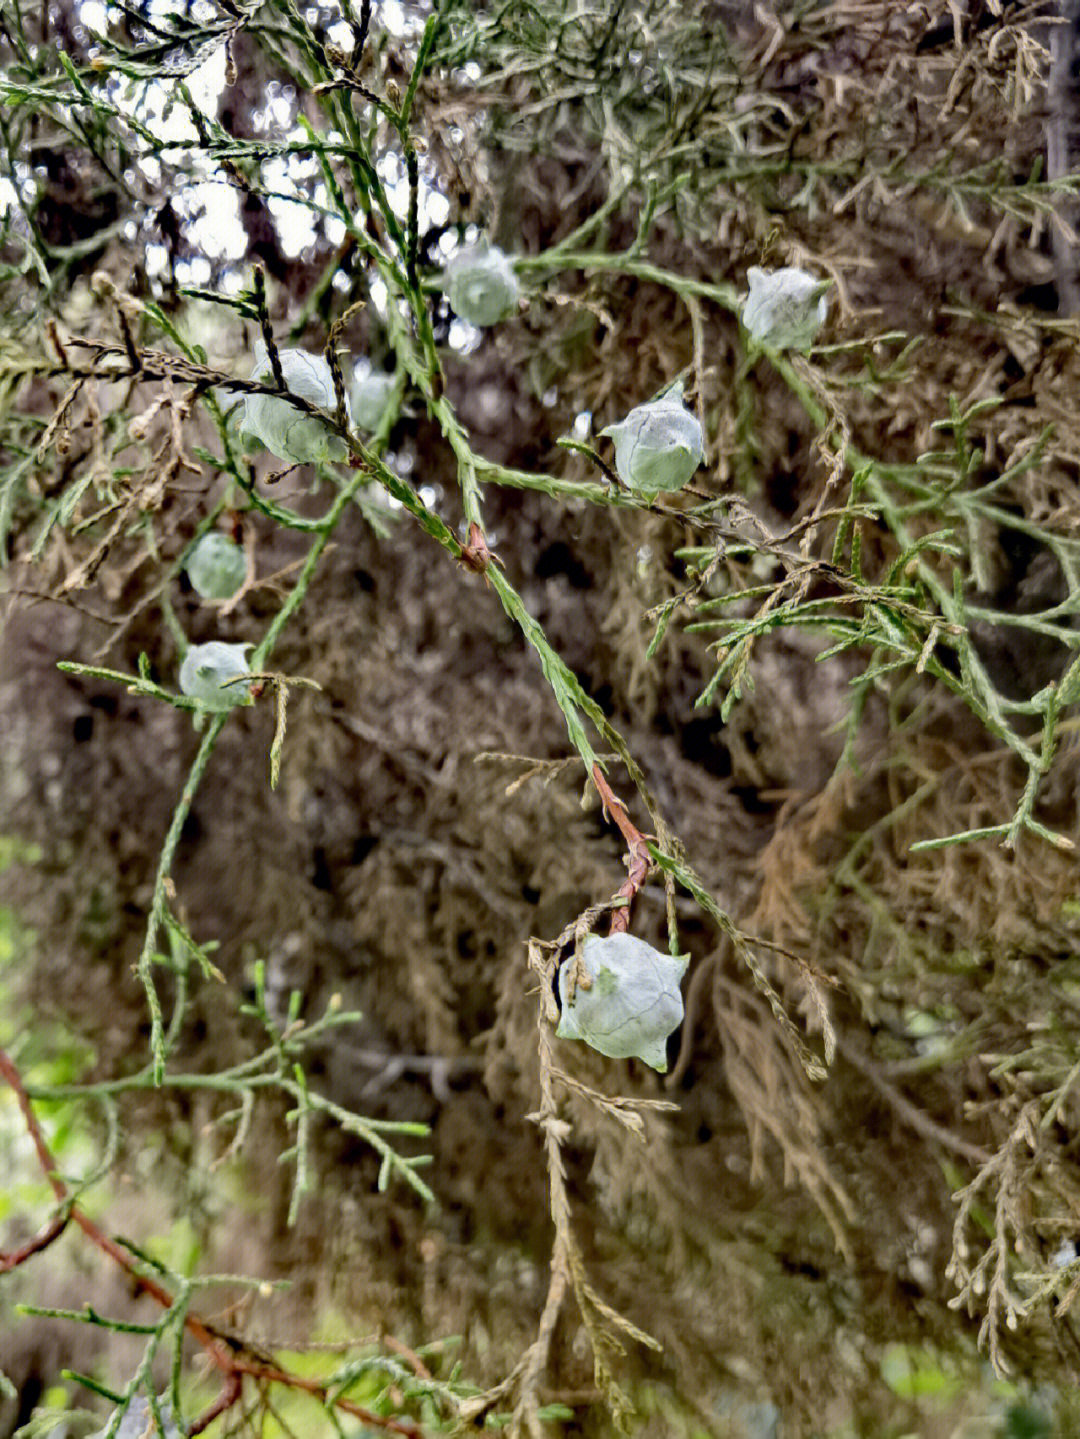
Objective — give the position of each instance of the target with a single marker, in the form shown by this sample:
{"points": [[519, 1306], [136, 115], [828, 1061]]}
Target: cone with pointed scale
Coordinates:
{"points": [[216, 567], [659, 445], [481, 284], [205, 673], [785, 308], [633, 1001], [286, 431]]}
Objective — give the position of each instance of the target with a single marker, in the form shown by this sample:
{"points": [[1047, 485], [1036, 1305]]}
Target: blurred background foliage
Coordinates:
{"points": [[844, 661]]}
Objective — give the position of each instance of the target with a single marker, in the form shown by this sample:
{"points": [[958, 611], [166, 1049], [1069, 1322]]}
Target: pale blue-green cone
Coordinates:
{"points": [[785, 308], [658, 446], [205, 670], [369, 399], [216, 567], [138, 1421], [286, 431], [481, 284], [633, 1003]]}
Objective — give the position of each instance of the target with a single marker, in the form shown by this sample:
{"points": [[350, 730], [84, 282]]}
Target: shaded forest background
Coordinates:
{"points": [[891, 520]]}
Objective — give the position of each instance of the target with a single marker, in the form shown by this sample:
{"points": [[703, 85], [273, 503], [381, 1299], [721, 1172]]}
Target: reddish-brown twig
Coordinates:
{"points": [[33, 1128], [639, 861], [229, 1354], [229, 1396], [40, 1241], [199, 1331]]}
